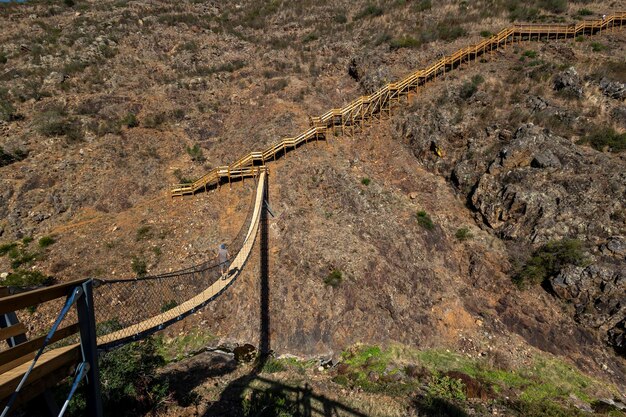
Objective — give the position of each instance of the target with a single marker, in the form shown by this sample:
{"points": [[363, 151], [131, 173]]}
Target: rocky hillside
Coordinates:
{"points": [[487, 216]]}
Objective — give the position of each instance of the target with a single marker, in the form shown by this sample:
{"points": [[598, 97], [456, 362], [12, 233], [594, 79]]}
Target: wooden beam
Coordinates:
{"points": [[12, 331], [35, 297], [34, 344]]}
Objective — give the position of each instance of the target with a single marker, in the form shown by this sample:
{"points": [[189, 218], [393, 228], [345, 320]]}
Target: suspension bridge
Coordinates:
{"points": [[99, 315]]}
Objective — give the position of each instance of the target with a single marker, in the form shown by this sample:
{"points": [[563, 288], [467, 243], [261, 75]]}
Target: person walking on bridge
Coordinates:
{"points": [[223, 258]]}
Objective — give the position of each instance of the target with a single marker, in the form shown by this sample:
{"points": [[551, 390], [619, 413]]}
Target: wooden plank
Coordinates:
{"points": [[5, 367], [12, 331], [33, 345], [35, 297], [47, 364]]}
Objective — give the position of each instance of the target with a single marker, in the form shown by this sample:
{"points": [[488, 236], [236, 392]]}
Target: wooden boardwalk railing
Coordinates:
{"points": [[363, 111]]}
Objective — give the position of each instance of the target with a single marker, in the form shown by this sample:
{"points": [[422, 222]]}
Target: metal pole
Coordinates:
{"points": [[87, 324]]}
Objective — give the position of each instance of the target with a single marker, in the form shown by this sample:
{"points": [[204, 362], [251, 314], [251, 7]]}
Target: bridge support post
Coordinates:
{"points": [[87, 324]]}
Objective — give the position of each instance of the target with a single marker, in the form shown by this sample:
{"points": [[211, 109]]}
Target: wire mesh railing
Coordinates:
{"points": [[130, 309]]}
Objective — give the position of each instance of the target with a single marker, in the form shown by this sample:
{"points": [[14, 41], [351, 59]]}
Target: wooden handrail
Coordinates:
{"points": [[38, 296]]}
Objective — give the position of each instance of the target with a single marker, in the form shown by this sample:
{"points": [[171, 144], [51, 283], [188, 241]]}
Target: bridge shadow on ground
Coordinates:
{"points": [[254, 395]]}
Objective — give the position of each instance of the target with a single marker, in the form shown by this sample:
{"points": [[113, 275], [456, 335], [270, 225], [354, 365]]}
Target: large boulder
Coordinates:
{"points": [[568, 82]]}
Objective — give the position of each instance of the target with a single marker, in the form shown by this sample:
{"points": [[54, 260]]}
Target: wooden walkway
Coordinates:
{"points": [[57, 364], [366, 109]]}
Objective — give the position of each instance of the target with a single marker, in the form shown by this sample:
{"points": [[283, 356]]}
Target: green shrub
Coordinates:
{"points": [[69, 3], [449, 31], [522, 13], [371, 10], [404, 42], [422, 5], [366, 181], [273, 365], [20, 255], [139, 266], [486, 34], [444, 387], [54, 123], [46, 241], [154, 120], [130, 121], [310, 37], [530, 54], [334, 279], [26, 278], [340, 18], [7, 111], [424, 220], [597, 47], [463, 234], [580, 38], [195, 152], [3, 57], [584, 12], [74, 67], [548, 261], [168, 305], [7, 247], [143, 233], [606, 138], [545, 409], [128, 378]]}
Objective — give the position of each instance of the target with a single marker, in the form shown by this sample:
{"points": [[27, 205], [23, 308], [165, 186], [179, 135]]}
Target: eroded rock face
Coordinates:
{"points": [[531, 187], [613, 89], [598, 293], [568, 82]]}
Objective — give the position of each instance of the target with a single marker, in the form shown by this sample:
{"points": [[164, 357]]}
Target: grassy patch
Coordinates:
{"points": [[273, 365], [46, 241], [139, 266], [548, 261], [144, 233], [606, 139], [26, 278], [179, 347], [334, 278], [404, 42], [195, 152], [371, 10], [366, 181], [424, 220], [597, 46], [463, 234], [130, 121]]}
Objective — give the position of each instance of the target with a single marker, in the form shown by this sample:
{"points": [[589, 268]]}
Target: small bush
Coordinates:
{"points": [[444, 387], [424, 220], [130, 121], [168, 305], [26, 278], [370, 10], [584, 12], [486, 34], [366, 181], [548, 261], [7, 111], [273, 365], [195, 152], [69, 3], [143, 233], [580, 38], [597, 47], [20, 256], [530, 54], [46, 241], [310, 37], [340, 18], [74, 67], [275, 85], [7, 247], [463, 234], [423, 5], [139, 266], [449, 31], [606, 138], [334, 279], [154, 120], [54, 123], [404, 42]]}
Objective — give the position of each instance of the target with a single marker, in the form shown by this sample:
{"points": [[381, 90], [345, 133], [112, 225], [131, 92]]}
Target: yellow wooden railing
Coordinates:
{"points": [[362, 111]]}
